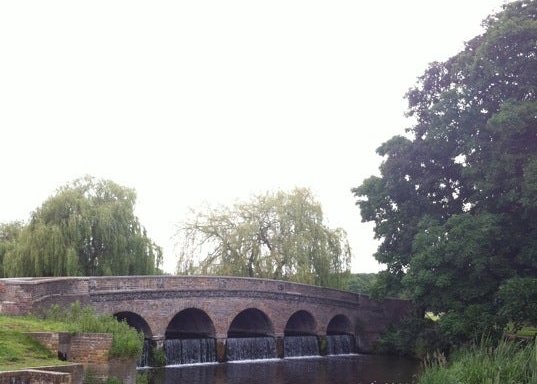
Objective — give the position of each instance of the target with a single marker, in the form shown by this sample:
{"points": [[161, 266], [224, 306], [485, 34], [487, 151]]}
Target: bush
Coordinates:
{"points": [[413, 337]]}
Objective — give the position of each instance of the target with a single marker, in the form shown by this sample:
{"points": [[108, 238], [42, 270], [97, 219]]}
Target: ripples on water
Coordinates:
{"points": [[350, 369]]}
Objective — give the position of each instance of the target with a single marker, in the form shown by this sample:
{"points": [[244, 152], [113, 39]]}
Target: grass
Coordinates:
{"points": [[527, 332], [507, 363], [18, 350]]}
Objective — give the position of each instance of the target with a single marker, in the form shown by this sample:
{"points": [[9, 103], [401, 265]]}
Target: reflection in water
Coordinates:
{"points": [[353, 369]]}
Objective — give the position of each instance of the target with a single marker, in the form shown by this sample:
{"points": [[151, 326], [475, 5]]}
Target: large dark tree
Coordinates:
{"points": [[455, 206], [87, 228]]}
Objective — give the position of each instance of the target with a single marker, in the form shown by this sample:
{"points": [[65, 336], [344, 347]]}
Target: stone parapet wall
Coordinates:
{"points": [[19, 296], [25, 295], [34, 376]]}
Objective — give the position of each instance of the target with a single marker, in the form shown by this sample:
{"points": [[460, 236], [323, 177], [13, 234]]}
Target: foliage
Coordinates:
{"points": [[506, 363], [519, 301], [142, 378], [114, 380], [278, 236], [126, 342], [9, 235], [361, 282], [158, 357], [455, 203], [412, 337], [87, 228]]}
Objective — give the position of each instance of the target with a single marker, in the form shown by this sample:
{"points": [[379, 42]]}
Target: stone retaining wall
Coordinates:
{"points": [[79, 348], [34, 376]]}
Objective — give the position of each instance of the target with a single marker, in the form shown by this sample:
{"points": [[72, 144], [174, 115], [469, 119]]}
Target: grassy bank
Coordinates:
{"points": [[508, 363], [18, 350]]}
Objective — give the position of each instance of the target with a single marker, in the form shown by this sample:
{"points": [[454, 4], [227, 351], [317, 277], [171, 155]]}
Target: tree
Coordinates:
{"points": [[454, 206], [9, 235], [87, 228], [361, 282], [276, 235]]}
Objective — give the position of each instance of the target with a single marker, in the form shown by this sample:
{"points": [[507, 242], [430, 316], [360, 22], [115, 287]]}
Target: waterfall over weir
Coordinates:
{"points": [[340, 344], [295, 346], [251, 348], [144, 359], [189, 351]]}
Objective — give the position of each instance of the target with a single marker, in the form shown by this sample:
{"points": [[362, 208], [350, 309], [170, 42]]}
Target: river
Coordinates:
{"points": [[343, 369]]}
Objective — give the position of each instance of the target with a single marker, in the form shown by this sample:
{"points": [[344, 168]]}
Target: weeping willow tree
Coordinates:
{"points": [[87, 228], [278, 236], [9, 235]]}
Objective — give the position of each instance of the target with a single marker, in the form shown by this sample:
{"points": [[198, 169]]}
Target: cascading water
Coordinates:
{"points": [[295, 346], [189, 351], [251, 348], [340, 344], [144, 358]]}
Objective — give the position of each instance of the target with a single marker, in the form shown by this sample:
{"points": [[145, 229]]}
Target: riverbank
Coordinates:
{"points": [[509, 362], [18, 350]]}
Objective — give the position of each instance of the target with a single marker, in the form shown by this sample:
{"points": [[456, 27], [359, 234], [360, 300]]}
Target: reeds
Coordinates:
{"points": [[509, 362]]}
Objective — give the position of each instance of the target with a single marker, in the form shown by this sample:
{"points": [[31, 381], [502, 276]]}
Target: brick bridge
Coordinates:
{"points": [[217, 307]]}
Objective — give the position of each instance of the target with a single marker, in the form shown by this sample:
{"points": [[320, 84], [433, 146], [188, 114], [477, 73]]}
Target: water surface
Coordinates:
{"points": [[348, 369]]}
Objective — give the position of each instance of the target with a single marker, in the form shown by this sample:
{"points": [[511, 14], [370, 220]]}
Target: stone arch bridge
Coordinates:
{"points": [[212, 306]]}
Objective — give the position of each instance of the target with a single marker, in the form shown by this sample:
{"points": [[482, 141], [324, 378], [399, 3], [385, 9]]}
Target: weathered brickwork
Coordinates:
{"points": [[50, 340], [34, 376], [79, 348], [154, 301], [90, 347]]}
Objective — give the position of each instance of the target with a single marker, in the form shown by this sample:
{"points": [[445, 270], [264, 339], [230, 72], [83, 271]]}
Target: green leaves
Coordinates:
{"points": [[455, 203], [278, 236], [87, 228]]}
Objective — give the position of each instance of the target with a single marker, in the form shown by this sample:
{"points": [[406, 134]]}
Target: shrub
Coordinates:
{"points": [[413, 337]]}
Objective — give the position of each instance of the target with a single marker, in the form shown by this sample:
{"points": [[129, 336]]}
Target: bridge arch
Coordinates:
{"points": [[136, 321], [340, 325], [190, 323], [301, 323], [251, 322]]}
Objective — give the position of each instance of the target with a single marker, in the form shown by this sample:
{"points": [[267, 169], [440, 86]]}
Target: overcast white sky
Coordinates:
{"points": [[208, 101]]}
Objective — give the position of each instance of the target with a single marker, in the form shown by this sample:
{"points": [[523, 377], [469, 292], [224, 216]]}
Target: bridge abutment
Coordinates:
{"points": [[221, 349]]}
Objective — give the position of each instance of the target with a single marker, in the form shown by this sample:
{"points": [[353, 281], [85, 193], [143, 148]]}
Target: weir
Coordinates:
{"points": [[144, 359], [251, 348], [190, 351], [300, 346], [340, 344]]}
